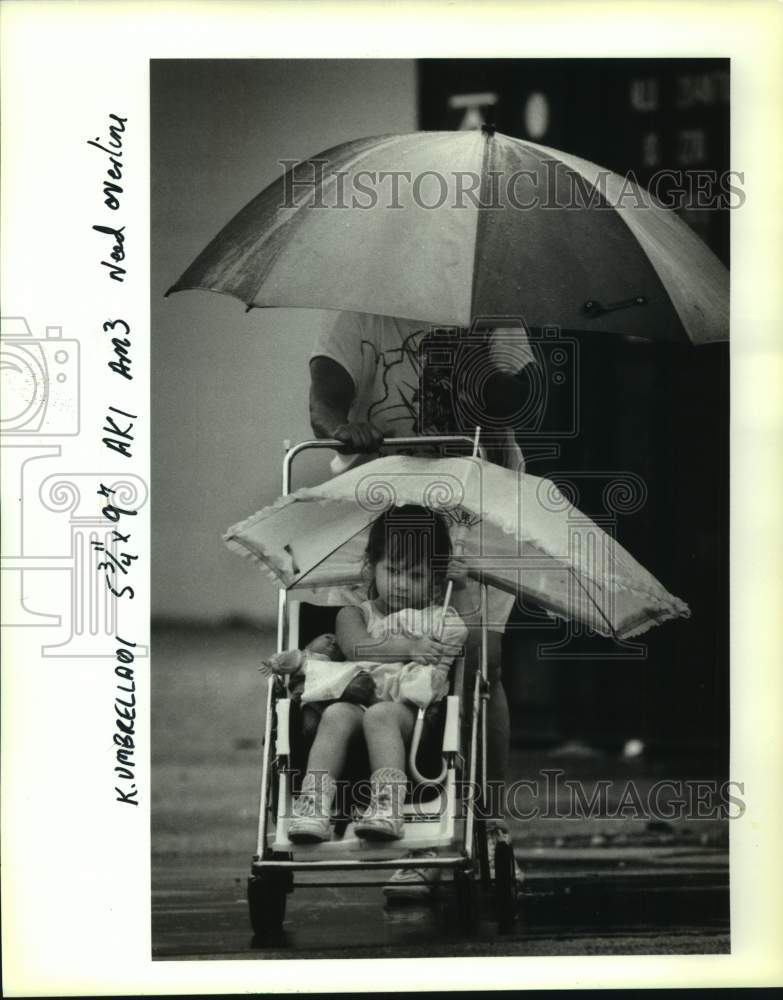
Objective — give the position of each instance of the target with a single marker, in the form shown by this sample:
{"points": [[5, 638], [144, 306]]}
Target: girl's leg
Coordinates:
{"points": [[387, 729], [312, 807], [339, 722]]}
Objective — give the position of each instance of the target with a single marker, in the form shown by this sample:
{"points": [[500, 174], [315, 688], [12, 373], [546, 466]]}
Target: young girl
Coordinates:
{"points": [[400, 628]]}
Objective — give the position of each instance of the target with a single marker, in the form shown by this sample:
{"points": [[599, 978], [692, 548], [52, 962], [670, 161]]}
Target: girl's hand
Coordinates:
{"points": [[431, 650], [457, 572], [360, 690]]}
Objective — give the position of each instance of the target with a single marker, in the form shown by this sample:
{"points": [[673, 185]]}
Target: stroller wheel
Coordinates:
{"points": [[505, 885], [266, 897], [467, 901]]}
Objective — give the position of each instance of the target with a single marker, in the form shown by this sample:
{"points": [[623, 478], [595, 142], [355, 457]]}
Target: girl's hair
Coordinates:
{"points": [[410, 536]]}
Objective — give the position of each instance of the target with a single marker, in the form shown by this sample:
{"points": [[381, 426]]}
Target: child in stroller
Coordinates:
{"points": [[400, 645]]}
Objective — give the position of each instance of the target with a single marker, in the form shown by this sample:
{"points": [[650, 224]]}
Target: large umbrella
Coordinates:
{"points": [[519, 531], [450, 227]]}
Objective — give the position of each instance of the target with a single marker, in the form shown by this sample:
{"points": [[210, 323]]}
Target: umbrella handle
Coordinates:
{"points": [[414, 752], [593, 308], [446, 603], [459, 545], [458, 548]]}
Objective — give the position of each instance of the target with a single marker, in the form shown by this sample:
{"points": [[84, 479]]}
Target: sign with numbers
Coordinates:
{"points": [[643, 116]]}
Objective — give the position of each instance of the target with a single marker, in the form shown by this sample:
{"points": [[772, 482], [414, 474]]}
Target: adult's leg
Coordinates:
{"points": [[498, 719], [498, 740]]}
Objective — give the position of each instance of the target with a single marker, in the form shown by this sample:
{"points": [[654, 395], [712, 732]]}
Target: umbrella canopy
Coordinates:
{"points": [[450, 227], [519, 530]]}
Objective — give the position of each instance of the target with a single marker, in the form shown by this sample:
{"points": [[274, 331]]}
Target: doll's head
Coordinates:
{"points": [[326, 645]]}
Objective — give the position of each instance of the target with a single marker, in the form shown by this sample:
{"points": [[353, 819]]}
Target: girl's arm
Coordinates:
{"points": [[357, 643]]}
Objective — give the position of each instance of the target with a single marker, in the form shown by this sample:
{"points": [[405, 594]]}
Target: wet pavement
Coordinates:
{"points": [[592, 886], [603, 909]]}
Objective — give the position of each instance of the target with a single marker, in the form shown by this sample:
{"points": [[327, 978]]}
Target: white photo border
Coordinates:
{"points": [[76, 886]]}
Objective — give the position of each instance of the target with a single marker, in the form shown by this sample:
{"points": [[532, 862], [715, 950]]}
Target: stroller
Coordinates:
{"points": [[443, 813]]}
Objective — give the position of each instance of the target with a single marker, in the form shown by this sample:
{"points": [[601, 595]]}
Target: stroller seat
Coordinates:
{"points": [[431, 811]]}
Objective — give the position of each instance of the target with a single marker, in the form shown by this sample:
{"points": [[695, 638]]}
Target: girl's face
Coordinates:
{"points": [[402, 587]]}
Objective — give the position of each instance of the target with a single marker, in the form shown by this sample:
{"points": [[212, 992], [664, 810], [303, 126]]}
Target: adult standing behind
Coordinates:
{"points": [[373, 377]]}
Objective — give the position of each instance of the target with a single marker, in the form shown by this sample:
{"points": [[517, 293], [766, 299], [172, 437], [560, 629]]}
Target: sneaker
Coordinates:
{"points": [[382, 819], [311, 810], [496, 835], [378, 826], [413, 883], [310, 830]]}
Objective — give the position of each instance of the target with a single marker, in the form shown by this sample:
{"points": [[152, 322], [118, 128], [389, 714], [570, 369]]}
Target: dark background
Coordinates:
{"points": [[659, 411]]}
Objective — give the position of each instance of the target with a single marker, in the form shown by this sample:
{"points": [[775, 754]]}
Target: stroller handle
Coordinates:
{"points": [[424, 441]]}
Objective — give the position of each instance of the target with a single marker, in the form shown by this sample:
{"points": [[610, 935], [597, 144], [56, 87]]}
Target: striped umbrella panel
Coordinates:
{"points": [[450, 227]]}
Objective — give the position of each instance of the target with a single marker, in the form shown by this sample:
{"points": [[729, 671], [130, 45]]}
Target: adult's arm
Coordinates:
{"points": [[504, 393], [508, 382], [331, 395]]}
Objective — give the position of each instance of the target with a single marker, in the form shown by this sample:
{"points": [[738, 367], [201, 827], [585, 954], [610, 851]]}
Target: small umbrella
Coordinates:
{"points": [[518, 530], [449, 227]]}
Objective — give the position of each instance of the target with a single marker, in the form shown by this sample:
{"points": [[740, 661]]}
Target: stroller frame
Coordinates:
{"points": [[460, 834]]}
